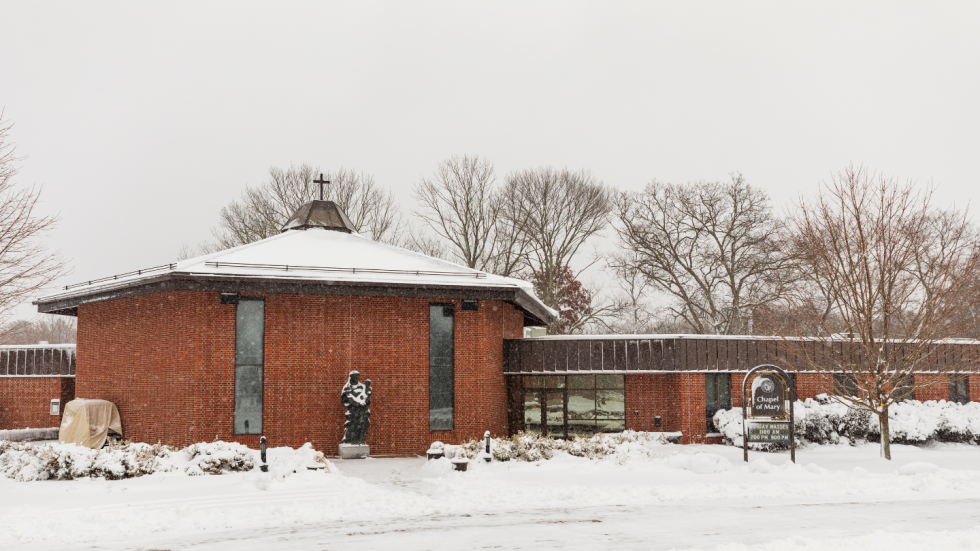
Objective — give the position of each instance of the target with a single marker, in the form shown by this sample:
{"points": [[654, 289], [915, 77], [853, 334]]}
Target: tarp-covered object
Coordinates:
{"points": [[88, 422]]}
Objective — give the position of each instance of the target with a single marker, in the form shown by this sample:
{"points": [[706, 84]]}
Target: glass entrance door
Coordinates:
{"points": [[555, 415], [533, 423]]}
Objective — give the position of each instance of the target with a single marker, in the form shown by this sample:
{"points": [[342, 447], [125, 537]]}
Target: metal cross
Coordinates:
{"points": [[321, 181]]}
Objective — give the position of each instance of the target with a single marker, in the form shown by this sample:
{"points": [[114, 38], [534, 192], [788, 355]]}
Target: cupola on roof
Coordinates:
{"points": [[319, 214]]}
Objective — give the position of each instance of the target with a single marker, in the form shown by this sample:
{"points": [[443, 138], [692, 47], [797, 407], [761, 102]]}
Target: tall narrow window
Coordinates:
{"points": [[845, 385], [959, 389], [441, 364], [249, 352], [905, 389], [718, 395]]}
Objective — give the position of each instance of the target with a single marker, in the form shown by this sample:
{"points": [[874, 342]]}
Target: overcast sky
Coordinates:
{"points": [[142, 120]]}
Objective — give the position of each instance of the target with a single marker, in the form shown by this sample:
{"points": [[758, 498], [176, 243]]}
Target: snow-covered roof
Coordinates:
{"points": [[315, 256]]}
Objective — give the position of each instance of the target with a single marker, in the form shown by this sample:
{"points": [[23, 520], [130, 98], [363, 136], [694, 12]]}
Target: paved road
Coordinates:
{"points": [[698, 525], [681, 525]]}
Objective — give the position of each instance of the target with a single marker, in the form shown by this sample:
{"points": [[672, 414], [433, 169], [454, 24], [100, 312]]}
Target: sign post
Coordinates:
{"points": [[767, 412]]}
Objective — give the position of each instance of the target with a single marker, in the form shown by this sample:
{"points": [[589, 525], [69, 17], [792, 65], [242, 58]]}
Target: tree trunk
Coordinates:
{"points": [[886, 437]]}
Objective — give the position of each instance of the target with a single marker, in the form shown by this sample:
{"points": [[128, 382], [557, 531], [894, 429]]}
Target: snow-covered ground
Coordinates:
{"points": [[648, 496]]}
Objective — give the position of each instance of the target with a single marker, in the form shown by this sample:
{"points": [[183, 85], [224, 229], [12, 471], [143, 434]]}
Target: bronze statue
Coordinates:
{"points": [[356, 397]]}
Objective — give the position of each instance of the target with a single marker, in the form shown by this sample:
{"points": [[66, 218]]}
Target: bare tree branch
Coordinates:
{"points": [[262, 211], [461, 203], [900, 284], [26, 265], [713, 247], [556, 212], [52, 329]]}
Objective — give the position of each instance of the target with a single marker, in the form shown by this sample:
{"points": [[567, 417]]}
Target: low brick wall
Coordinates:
{"points": [[25, 402]]}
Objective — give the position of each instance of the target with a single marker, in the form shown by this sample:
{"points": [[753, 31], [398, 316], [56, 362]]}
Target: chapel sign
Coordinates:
{"points": [[768, 413], [769, 396]]}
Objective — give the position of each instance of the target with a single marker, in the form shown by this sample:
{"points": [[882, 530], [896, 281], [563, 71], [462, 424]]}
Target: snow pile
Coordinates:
{"points": [[917, 467], [825, 421], [532, 447], [701, 463], [26, 462], [28, 435]]}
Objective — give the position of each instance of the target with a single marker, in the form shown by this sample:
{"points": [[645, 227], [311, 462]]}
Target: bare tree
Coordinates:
{"points": [[899, 277], [556, 211], [462, 204], [713, 247], [262, 211], [26, 265], [47, 328], [632, 311]]}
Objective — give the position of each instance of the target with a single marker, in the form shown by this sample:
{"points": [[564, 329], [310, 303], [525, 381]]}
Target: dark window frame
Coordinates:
{"points": [[235, 412], [718, 401], [905, 389], [845, 385], [447, 307], [959, 388]]}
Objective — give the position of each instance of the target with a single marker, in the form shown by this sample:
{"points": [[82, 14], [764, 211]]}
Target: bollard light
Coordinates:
{"points": [[264, 468]]}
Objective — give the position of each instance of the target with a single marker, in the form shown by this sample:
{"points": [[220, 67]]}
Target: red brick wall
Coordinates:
{"points": [[167, 361], [692, 422], [648, 396], [974, 388], [737, 398], [678, 398], [809, 385], [25, 402], [937, 391]]}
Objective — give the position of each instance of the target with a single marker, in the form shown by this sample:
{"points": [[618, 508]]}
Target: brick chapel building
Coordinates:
{"points": [[259, 340]]}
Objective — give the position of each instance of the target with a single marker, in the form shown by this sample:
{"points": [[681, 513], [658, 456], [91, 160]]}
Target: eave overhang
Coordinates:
{"points": [[67, 304]]}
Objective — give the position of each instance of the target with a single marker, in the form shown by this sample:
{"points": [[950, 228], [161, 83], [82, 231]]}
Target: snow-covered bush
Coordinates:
{"points": [[531, 447], [916, 422], [219, 458], [25, 461], [825, 421]]}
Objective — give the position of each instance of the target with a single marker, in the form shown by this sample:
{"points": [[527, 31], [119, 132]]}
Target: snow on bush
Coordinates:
{"points": [[218, 458], [532, 447], [25, 461], [825, 421]]}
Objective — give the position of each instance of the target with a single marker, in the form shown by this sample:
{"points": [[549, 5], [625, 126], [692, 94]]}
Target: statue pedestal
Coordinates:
{"points": [[354, 451]]}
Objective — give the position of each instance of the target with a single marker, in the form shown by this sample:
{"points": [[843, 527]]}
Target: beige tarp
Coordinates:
{"points": [[87, 422]]}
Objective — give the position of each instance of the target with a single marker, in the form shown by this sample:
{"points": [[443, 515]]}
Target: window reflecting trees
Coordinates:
{"points": [[574, 405]]}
